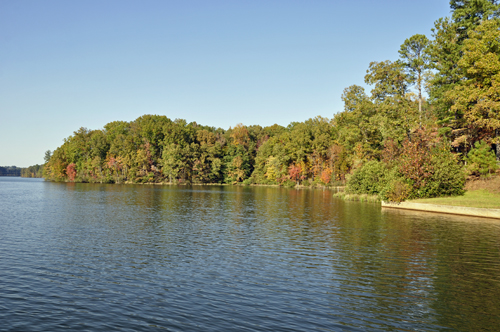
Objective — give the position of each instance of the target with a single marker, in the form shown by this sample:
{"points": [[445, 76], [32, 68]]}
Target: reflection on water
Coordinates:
{"points": [[214, 258]]}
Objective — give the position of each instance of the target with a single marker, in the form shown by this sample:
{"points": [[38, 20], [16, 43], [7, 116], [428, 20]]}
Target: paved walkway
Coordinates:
{"points": [[461, 210]]}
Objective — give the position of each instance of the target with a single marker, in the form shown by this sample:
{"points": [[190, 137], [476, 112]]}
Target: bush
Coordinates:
{"points": [[428, 167], [481, 161], [288, 184], [395, 187], [368, 179], [396, 191], [448, 178], [415, 163]]}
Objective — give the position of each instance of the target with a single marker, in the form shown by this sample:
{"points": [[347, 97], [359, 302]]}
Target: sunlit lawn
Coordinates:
{"points": [[472, 198]]}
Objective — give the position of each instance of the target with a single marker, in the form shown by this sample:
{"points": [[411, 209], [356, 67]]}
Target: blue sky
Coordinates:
{"points": [[71, 64]]}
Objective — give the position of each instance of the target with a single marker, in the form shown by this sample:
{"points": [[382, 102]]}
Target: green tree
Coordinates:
{"points": [[416, 61], [395, 111], [445, 52], [478, 96], [48, 155], [467, 14], [389, 78], [357, 123]]}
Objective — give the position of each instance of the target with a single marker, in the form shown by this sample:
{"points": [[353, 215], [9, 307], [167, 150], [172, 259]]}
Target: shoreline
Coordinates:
{"points": [[332, 188], [445, 209]]}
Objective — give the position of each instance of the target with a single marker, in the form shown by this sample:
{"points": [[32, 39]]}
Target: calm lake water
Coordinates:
{"points": [[212, 258]]}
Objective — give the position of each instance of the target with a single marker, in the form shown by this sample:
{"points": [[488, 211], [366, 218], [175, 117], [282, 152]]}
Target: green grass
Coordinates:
{"points": [[473, 198], [356, 197]]}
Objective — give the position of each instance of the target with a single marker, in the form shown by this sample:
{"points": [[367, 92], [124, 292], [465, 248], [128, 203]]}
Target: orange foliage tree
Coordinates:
{"points": [[326, 176]]}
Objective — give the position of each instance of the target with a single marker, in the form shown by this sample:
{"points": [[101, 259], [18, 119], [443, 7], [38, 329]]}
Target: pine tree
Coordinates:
{"points": [[481, 160]]}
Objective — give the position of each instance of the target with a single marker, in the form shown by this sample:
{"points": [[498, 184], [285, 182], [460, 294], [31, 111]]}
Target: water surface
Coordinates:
{"points": [[221, 258]]}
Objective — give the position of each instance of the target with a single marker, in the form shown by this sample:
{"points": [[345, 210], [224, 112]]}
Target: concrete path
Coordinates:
{"points": [[461, 210]]}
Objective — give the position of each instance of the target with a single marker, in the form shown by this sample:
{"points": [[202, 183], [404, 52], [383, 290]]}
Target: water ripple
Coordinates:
{"points": [[132, 258]]}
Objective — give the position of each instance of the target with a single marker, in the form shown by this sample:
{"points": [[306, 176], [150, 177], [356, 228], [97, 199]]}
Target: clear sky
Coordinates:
{"points": [[71, 64]]}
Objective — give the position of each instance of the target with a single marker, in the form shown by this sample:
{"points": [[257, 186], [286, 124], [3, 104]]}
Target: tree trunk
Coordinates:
{"points": [[497, 146], [420, 99]]}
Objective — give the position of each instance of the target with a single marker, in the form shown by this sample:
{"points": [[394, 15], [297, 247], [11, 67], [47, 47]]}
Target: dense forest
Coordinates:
{"points": [[391, 142]]}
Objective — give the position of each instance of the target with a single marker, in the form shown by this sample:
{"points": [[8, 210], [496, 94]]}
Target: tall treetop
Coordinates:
{"points": [[469, 13]]}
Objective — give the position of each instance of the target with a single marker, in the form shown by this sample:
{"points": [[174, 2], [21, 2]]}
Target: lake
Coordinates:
{"points": [[88, 257]]}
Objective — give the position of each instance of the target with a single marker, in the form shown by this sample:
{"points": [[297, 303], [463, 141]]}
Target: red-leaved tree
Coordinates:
{"points": [[71, 171]]}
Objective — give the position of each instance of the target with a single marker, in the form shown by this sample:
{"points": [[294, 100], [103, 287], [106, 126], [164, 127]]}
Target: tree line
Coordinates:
{"points": [[10, 171], [34, 171], [154, 149], [392, 141]]}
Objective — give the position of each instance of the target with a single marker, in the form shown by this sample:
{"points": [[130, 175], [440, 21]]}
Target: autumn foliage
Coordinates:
{"points": [[71, 172], [415, 160], [294, 172], [326, 176]]}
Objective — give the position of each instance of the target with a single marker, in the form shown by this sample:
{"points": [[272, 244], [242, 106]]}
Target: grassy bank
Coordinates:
{"points": [[491, 184], [474, 198], [484, 193]]}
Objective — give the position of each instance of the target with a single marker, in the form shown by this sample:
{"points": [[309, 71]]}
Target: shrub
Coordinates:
{"points": [[428, 167], [395, 187], [448, 178], [368, 179], [397, 191], [415, 163]]}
